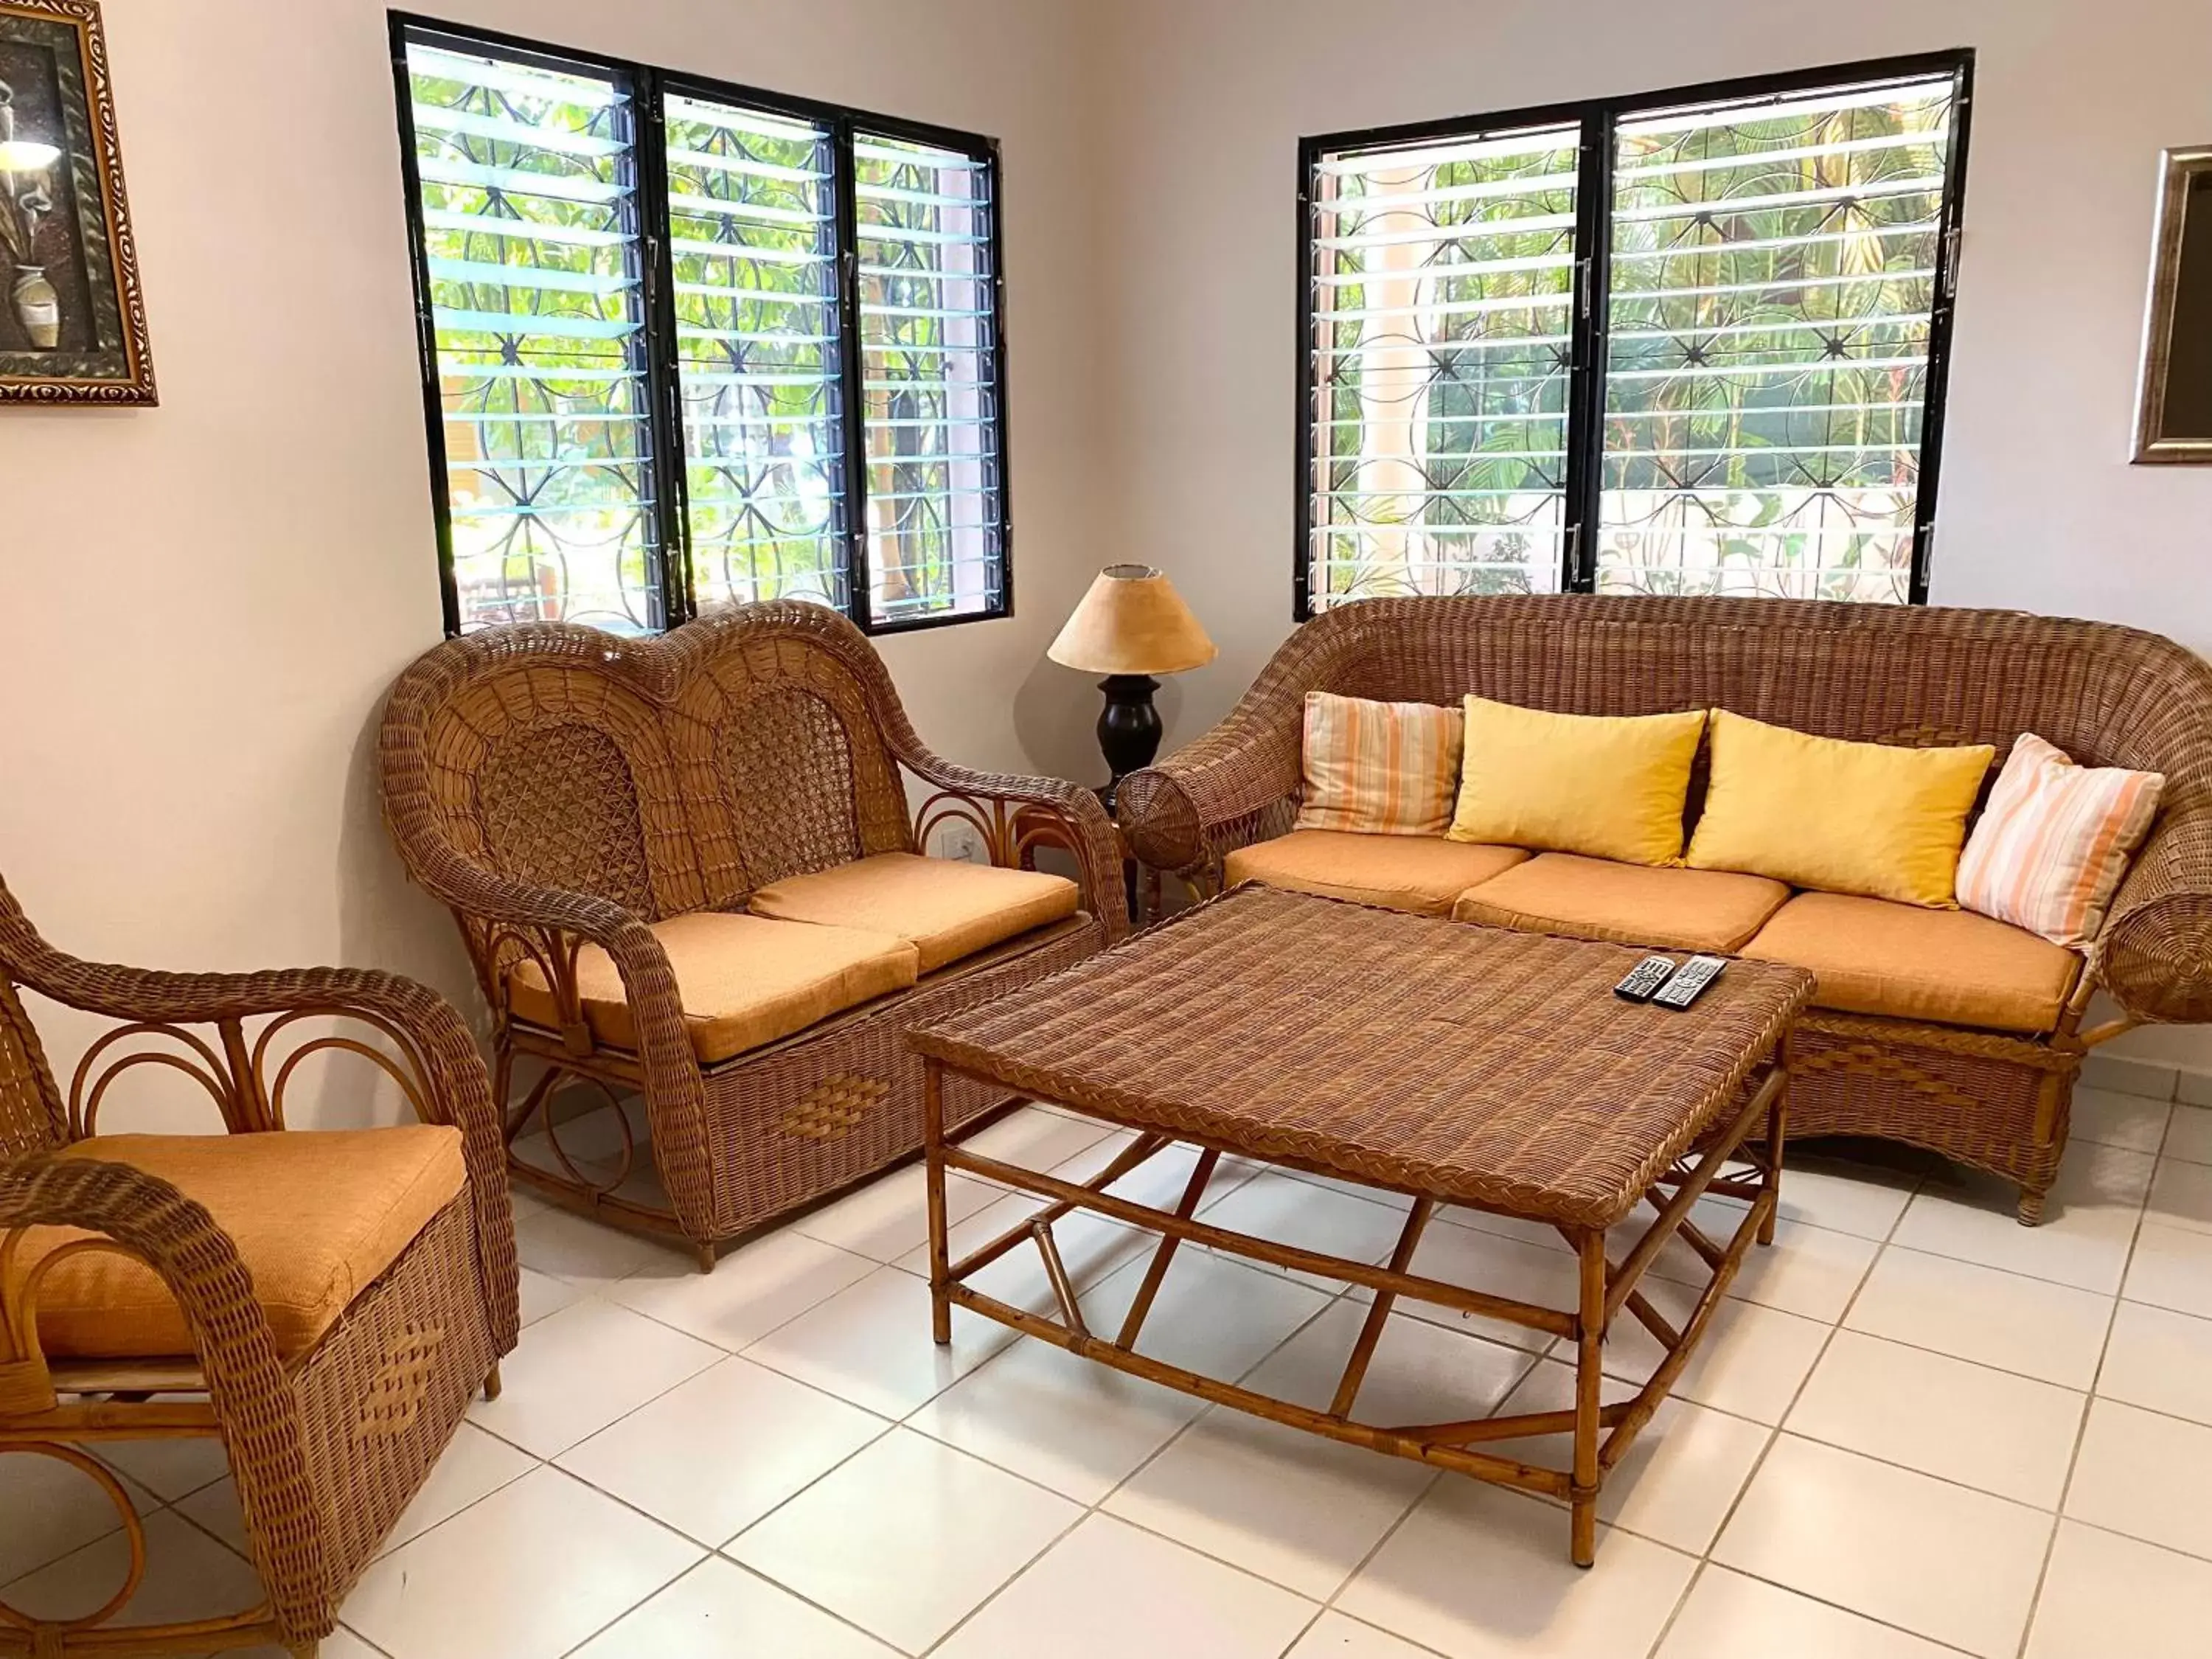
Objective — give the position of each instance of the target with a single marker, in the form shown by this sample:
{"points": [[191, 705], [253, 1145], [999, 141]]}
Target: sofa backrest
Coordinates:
{"points": [[667, 774], [2108, 695]]}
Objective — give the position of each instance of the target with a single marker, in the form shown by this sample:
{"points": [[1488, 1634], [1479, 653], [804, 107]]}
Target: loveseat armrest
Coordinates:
{"points": [[550, 925], [2154, 955], [1072, 818]]}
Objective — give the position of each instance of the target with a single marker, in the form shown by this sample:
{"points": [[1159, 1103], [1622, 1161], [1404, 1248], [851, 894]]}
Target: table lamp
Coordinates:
{"points": [[1131, 625]]}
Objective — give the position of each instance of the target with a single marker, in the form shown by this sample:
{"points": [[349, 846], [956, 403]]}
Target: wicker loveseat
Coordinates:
{"points": [[685, 869], [1981, 1072]]}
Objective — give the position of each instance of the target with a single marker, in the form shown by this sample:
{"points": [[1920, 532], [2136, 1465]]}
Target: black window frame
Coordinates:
{"points": [[1598, 120], [649, 85]]}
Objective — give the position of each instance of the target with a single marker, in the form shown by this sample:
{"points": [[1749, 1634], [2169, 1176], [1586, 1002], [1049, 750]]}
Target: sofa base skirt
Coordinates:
{"points": [[1995, 1103]]}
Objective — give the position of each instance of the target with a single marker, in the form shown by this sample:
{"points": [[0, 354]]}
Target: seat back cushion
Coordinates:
{"points": [[1869, 818], [1379, 768], [1420, 873], [745, 981], [947, 908], [1710, 911], [316, 1218], [1609, 787], [1949, 967]]}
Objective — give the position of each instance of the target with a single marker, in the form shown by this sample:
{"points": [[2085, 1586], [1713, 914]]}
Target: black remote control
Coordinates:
{"points": [[1644, 979], [1689, 982]]}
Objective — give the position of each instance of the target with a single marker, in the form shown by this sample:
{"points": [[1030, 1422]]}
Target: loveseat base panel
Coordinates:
{"points": [[806, 1118]]}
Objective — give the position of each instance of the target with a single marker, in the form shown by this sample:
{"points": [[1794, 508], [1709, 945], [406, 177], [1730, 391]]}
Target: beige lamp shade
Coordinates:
{"points": [[1131, 622]]}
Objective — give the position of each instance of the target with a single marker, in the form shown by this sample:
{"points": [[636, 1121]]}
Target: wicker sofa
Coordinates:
{"points": [[686, 872], [1976, 1055]]}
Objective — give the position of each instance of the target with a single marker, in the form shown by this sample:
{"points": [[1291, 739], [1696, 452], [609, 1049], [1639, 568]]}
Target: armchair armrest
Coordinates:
{"points": [[1085, 829], [450, 1084], [197, 1262]]}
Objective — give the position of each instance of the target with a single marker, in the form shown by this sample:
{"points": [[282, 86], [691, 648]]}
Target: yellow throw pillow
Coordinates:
{"points": [[1870, 819], [1609, 787]]}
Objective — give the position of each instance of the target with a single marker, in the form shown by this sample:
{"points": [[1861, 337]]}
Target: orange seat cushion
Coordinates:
{"points": [[948, 909], [1878, 957], [1420, 873], [744, 980], [1710, 911], [316, 1217]]}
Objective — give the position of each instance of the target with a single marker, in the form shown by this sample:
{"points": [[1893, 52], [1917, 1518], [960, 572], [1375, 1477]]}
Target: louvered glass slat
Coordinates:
{"points": [[929, 335], [1772, 288], [1442, 278], [527, 175], [752, 205]]}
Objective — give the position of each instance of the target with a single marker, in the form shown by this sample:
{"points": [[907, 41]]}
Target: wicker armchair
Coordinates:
{"points": [[330, 1433], [561, 788], [2108, 695]]}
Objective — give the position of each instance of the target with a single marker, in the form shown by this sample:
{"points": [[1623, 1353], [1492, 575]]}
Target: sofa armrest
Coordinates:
{"points": [[2154, 955]]}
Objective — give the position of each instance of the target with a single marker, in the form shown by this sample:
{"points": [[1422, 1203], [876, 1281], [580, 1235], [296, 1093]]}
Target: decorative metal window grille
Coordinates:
{"points": [[753, 241], [686, 344], [1687, 343], [528, 185], [929, 329]]}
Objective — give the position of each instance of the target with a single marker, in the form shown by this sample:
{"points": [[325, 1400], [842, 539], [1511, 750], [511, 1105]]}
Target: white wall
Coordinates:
{"points": [[207, 600], [2073, 102]]}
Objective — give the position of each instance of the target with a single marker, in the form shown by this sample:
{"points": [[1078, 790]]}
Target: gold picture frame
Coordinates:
{"points": [[72, 314], [2173, 399]]}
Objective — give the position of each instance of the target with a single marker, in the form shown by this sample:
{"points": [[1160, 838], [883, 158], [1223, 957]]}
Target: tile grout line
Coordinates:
{"points": [[2081, 1429], [1774, 1433], [1098, 1506], [1534, 1360]]}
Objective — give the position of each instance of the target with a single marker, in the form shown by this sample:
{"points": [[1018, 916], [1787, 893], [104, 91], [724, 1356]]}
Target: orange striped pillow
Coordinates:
{"points": [[2054, 841], [1380, 769]]}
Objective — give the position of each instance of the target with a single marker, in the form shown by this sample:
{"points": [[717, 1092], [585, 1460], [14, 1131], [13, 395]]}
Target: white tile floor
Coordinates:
{"points": [[1918, 1429]]}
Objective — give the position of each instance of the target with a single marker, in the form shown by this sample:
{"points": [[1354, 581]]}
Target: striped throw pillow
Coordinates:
{"points": [[2054, 841], [1381, 768]]}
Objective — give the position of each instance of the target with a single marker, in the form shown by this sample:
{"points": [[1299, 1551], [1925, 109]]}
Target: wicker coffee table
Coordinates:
{"points": [[1451, 1063]]}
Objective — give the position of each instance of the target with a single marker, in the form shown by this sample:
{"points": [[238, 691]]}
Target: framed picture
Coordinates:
{"points": [[72, 319], [2173, 404]]}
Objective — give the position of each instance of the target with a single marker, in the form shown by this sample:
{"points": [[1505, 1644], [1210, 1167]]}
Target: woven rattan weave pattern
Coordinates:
{"points": [[328, 1449], [1442, 1061], [1466, 1063], [1912, 675], [556, 787]]}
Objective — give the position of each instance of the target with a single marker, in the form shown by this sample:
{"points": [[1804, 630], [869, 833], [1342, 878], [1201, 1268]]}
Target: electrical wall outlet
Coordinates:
{"points": [[961, 841]]}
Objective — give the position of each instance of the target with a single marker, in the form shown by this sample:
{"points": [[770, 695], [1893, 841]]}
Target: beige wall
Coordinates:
{"points": [[2073, 102], [208, 599]]}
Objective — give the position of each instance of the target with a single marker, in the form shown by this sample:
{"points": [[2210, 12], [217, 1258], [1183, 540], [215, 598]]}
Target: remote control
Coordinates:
{"points": [[1646, 977], [1689, 982]]}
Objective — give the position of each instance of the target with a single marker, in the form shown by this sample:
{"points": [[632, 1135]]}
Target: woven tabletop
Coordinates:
{"points": [[1462, 1062]]}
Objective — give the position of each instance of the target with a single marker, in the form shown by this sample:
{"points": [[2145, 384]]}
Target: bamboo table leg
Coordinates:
{"points": [[1590, 1378], [1777, 1131], [941, 1250]]}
